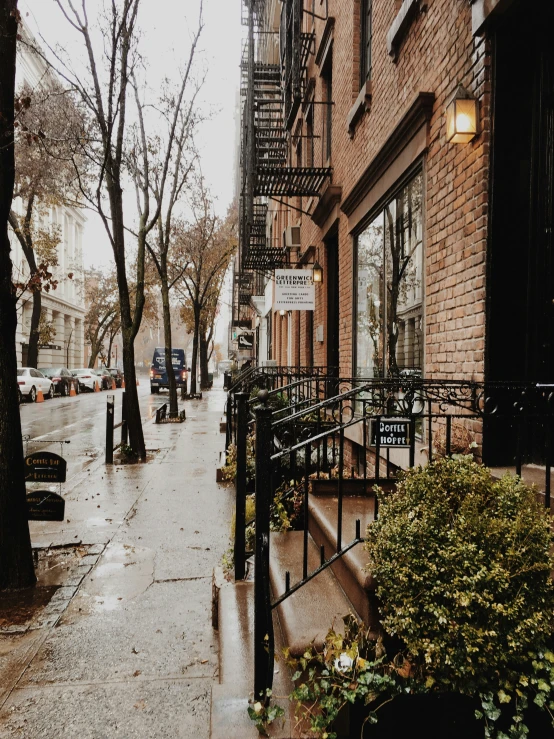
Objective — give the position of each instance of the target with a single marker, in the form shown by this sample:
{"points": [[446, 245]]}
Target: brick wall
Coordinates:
{"points": [[438, 52]]}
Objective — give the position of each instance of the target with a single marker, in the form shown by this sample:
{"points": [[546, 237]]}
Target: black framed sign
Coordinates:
{"points": [[43, 505], [391, 432], [45, 467]]}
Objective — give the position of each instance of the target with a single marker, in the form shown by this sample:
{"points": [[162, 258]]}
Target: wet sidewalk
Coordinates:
{"points": [[127, 649]]}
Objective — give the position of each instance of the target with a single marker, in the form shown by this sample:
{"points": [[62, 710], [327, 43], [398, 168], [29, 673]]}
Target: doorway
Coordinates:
{"points": [[333, 353], [520, 284]]}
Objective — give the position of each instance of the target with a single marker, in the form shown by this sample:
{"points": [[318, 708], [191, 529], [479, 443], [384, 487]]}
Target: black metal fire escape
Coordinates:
{"points": [[271, 93]]}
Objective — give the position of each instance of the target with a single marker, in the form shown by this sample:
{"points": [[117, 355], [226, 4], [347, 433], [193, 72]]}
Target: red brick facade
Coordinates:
{"points": [[435, 52]]}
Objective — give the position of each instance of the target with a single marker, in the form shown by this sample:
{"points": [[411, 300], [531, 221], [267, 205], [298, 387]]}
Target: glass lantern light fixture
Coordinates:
{"points": [[462, 117], [317, 272]]}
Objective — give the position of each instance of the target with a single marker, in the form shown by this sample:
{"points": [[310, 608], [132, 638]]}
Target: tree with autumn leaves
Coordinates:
{"points": [[47, 127], [208, 244]]}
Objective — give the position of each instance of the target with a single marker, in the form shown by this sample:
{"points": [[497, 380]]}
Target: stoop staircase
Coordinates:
{"points": [[331, 441]]}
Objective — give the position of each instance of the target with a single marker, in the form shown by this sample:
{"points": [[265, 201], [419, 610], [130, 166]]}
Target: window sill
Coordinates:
{"points": [[361, 106], [397, 32]]}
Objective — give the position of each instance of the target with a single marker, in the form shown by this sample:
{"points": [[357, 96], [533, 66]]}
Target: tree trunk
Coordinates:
{"points": [[16, 559], [134, 422], [34, 334], [204, 382], [173, 404], [128, 330], [194, 364]]}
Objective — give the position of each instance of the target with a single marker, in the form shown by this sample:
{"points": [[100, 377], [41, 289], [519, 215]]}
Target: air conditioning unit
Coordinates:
{"points": [[291, 237]]}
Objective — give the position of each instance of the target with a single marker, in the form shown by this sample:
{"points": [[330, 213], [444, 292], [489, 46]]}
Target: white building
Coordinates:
{"points": [[63, 308]]}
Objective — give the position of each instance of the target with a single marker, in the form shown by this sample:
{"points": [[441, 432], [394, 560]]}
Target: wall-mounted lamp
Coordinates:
{"points": [[317, 272], [282, 313], [461, 117]]}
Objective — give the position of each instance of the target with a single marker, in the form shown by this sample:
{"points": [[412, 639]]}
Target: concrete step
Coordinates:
{"points": [[357, 583], [229, 709], [307, 615]]}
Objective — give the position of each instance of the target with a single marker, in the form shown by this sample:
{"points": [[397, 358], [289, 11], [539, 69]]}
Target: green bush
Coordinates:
{"points": [[463, 565]]}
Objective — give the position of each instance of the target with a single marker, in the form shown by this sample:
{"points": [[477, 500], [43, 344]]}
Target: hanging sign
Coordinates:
{"points": [[294, 289], [391, 431], [45, 467], [246, 340], [43, 505]]}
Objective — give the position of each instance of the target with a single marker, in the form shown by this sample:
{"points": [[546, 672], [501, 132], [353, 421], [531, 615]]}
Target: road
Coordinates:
{"points": [[81, 420]]}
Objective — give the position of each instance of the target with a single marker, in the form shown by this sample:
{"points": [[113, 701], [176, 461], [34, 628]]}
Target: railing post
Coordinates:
{"points": [[263, 623], [124, 427], [229, 419], [240, 486], [109, 429]]}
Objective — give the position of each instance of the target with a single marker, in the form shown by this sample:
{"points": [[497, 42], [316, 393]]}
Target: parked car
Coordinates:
{"points": [[158, 373], [62, 379], [105, 378], [30, 381], [85, 377], [117, 375]]}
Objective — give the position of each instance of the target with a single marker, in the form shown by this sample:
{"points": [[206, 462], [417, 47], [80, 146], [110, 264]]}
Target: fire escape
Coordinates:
{"points": [[273, 84]]}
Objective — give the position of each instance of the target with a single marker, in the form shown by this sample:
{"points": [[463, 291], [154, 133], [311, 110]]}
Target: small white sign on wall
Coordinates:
{"points": [[294, 289]]}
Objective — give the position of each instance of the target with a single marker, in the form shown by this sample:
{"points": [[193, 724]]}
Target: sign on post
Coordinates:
{"points": [[294, 289], [390, 432], [43, 505], [45, 467]]}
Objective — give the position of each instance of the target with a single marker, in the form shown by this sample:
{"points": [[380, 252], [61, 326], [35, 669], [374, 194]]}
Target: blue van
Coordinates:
{"points": [[158, 373]]}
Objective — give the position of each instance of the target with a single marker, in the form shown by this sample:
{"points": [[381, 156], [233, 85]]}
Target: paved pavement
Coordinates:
{"points": [[129, 651]]}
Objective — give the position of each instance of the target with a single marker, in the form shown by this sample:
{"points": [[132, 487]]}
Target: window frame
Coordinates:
{"points": [[417, 168], [366, 38]]}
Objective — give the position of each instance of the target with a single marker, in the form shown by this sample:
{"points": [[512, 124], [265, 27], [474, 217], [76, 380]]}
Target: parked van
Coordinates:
{"points": [[158, 373]]}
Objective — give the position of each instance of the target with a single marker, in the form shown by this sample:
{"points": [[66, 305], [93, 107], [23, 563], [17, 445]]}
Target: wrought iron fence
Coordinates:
{"points": [[358, 440]]}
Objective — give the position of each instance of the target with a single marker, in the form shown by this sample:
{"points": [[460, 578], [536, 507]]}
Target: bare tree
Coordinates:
{"points": [[160, 164], [103, 90], [16, 561]]}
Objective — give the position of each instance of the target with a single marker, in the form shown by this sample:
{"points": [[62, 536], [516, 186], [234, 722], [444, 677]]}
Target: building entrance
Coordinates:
{"points": [[520, 316]]}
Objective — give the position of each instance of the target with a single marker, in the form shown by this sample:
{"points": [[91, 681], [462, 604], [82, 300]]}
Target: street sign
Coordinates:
{"points": [[246, 340], [294, 289], [43, 505], [393, 432], [45, 467]]}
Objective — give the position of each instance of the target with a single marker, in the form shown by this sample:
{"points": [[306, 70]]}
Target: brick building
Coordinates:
{"points": [[436, 255]]}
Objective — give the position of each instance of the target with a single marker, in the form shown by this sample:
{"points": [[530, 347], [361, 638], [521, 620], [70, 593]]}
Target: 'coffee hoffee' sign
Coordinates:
{"points": [[43, 505], [45, 467], [391, 432]]}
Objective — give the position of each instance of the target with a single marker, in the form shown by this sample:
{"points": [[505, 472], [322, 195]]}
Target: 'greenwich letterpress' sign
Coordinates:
{"points": [[45, 467], [392, 432], [294, 289]]}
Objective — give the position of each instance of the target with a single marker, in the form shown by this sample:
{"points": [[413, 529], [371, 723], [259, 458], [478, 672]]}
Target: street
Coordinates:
{"points": [[121, 644]]}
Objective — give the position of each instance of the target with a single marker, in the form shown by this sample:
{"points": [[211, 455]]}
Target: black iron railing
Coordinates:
{"points": [[392, 424]]}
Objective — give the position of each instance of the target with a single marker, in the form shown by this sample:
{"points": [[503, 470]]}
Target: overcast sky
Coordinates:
{"points": [[167, 27]]}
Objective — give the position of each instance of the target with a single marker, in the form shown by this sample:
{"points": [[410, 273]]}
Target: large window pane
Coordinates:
{"points": [[390, 288]]}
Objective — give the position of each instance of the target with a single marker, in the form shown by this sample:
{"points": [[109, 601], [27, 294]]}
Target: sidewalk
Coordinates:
{"points": [[131, 651]]}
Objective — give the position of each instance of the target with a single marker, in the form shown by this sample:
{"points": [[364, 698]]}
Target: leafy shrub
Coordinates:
{"points": [[463, 568]]}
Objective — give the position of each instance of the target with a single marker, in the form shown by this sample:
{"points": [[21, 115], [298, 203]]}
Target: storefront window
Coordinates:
{"points": [[390, 288]]}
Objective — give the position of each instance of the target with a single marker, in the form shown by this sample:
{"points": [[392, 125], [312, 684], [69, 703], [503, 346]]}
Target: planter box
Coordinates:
{"points": [[351, 486]]}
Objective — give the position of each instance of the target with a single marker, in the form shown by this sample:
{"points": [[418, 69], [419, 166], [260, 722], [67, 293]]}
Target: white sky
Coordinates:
{"points": [[167, 27]]}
